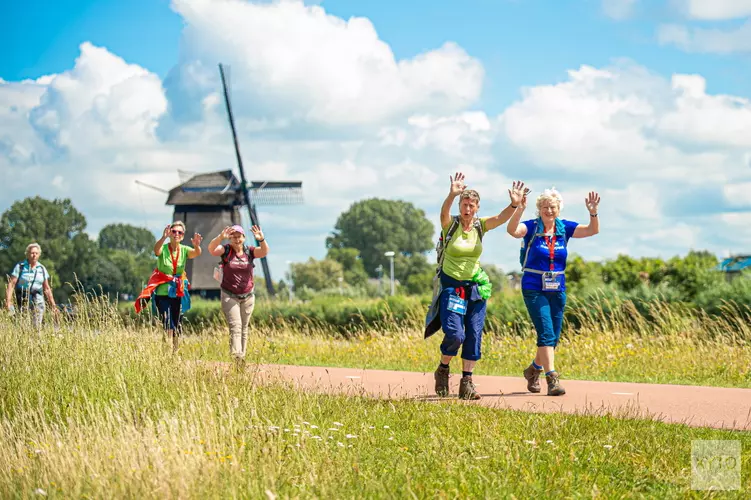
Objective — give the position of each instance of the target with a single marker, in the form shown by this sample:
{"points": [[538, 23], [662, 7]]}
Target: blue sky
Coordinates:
{"points": [[521, 42], [646, 101]]}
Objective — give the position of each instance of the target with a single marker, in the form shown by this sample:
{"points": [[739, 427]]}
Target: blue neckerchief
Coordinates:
{"points": [[560, 229]]}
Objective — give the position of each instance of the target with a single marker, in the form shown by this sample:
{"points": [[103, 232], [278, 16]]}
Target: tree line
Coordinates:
{"points": [[120, 259]]}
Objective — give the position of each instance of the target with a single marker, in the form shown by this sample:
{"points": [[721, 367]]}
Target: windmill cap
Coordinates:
{"points": [[237, 229]]}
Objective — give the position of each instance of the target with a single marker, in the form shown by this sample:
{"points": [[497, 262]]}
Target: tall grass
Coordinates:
{"points": [[96, 411]]}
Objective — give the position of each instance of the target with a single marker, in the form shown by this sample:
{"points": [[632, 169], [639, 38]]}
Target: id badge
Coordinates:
{"points": [[457, 305], [551, 282]]}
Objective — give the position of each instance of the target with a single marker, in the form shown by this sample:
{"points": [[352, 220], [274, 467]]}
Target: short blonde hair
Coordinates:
{"points": [[33, 245], [553, 196], [177, 223], [471, 194]]}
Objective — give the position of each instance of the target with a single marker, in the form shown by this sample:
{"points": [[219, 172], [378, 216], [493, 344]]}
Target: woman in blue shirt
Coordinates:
{"points": [[543, 259]]}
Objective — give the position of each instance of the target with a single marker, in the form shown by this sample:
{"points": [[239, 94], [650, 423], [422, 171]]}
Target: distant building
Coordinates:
{"points": [[734, 266]]}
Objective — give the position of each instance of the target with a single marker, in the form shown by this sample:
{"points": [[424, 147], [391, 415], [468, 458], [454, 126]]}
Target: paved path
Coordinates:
{"points": [[692, 405]]}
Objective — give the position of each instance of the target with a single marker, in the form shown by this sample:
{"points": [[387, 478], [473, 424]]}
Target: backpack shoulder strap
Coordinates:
{"points": [[528, 238], [478, 226]]}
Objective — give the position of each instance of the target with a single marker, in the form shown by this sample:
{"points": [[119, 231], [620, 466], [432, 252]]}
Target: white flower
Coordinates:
{"points": [[629, 346], [386, 427], [40, 491], [549, 441], [391, 438], [371, 427], [530, 442], [306, 423], [351, 436], [607, 446], [341, 445], [334, 429], [317, 437], [481, 458], [314, 427], [339, 424], [273, 428]]}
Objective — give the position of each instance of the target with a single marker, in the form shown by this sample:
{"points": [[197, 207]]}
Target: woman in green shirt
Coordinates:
{"points": [[461, 305], [171, 260]]}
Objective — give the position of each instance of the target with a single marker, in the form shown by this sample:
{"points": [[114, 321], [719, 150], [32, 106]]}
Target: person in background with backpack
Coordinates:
{"points": [[464, 287], [29, 283], [543, 259], [237, 285]]}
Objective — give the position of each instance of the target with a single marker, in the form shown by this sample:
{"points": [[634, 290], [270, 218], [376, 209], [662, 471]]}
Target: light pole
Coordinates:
{"points": [[390, 255]]}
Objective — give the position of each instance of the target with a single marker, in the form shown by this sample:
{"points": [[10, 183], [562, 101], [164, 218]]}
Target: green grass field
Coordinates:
{"points": [[95, 410]]}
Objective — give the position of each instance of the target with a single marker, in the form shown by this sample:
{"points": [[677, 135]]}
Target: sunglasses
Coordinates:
{"points": [[177, 231]]}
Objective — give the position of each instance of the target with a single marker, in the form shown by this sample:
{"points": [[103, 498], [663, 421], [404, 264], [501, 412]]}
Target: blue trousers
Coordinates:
{"points": [[546, 311], [463, 331]]}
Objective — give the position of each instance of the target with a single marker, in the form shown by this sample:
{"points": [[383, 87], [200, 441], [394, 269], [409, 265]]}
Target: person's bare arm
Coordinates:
{"points": [[12, 280], [262, 250], [160, 242], [586, 230]]}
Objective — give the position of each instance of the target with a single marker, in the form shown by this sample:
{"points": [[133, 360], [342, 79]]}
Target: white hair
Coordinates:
{"points": [[552, 195], [33, 245]]}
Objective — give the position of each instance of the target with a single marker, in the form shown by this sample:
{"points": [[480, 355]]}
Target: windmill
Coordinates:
{"points": [[207, 202], [263, 192]]}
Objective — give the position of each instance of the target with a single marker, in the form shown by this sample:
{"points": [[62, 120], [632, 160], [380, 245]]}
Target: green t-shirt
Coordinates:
{"points": [[164, 264], [462, 255]]}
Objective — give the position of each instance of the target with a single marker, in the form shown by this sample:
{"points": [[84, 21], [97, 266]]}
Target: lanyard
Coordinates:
{"points": [[175, 259], [551, 248]]}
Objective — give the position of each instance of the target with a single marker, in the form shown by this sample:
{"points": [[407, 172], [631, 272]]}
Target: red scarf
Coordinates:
{"points": [[157, 278]]}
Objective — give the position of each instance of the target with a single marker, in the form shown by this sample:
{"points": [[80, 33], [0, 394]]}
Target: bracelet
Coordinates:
{"points": [[261, 241], [514, 206], [593, 215]]}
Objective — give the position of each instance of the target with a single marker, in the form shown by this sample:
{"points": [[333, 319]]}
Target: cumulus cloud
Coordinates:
{"points": [[715, 10], [295, 60], [707, 40], [619, 9], [323, 100]]}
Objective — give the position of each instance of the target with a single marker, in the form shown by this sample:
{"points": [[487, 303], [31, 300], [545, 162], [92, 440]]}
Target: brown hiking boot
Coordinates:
{"points": [[532, 375], [467, 389], [441, 376], [554, 385]]}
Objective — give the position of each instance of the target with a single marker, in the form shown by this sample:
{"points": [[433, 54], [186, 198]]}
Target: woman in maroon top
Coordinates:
{"points": [[237, 285]]}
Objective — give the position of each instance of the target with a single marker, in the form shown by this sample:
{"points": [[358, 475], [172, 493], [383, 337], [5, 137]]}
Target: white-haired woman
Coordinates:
{"points": [[29, 282], [543, 260]]}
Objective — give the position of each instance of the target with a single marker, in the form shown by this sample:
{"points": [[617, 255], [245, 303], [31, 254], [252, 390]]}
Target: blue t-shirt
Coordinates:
{"points": [[539, 255], [30, 279]]}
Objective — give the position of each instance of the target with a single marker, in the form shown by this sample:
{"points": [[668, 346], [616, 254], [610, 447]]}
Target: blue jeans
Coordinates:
{"points": [[463, 331], [546, 311]]}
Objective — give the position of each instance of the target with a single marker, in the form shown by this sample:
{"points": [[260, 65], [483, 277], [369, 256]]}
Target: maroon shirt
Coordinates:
{"points": [[237, 271]]}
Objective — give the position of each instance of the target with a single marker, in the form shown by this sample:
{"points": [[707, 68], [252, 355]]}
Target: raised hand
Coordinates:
{"points": [[457, 184], [592, 201], [226, 232], [196, 240], [257, 233], [517, 193], [166, 233]]}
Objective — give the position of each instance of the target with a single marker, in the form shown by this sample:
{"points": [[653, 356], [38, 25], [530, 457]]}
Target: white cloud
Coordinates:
{"points": [[715, 10], [619, 9], [298, 61], [323, 100], [707, 40]]}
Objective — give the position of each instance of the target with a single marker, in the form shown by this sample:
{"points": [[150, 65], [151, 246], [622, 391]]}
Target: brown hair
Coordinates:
{"points": [[471, 194]]}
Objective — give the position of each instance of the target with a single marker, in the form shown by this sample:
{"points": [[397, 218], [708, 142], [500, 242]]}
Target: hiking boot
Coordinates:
{"points": [[441, 376], [532, 375], [554, 385], [467, 389]]}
